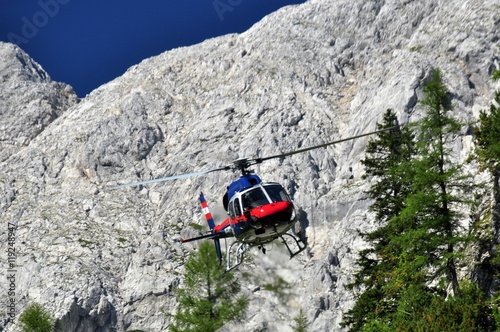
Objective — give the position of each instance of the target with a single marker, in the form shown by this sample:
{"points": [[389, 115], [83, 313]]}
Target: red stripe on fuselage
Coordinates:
{"points": [[264, 211], [220, 227], [263, 224]]}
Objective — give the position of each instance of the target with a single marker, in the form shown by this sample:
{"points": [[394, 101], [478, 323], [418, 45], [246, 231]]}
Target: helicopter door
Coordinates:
{"points": [[234, 208]]}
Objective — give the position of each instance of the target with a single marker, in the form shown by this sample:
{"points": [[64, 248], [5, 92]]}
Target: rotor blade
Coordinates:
{"points": [[174, 177], [259, 160]]}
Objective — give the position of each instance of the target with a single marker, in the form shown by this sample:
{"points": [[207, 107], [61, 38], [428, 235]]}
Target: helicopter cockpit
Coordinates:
{"points": [[256, 196]]}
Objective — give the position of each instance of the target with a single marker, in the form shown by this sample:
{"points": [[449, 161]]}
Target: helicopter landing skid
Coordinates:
{"points": [[235, 251], [235, 255], [293, 244]]}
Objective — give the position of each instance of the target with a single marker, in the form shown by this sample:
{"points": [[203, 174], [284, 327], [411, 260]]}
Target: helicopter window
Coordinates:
{"points": [[277, 193], [234, 208], [231, 210], [253, 198], [237, 209]]}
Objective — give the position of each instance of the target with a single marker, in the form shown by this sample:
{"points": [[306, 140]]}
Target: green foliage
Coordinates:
{"points": [[421, 311], [495, 76], [387, 158], [487, 137], [279, 287], [87, 244], [487, 152], [197, 227], [495, 313], [466, 312], [404, 275], [301, 322], [209, 297], [35, 318], [375, 325], [431, 229]]}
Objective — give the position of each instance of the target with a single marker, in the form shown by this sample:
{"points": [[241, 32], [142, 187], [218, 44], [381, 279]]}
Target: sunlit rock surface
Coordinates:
{"points": [[109, 260]]}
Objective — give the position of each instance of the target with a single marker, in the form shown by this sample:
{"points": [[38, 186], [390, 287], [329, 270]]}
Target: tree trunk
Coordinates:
{"points": [[486, 273], [495, 213]]}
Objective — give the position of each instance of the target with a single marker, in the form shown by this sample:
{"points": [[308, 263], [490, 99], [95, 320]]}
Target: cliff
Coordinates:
{"points": [[109, 260]]}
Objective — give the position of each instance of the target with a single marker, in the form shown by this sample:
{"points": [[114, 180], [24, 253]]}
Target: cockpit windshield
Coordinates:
{"points": [[277, 193], [257, 196], [253, 198]]}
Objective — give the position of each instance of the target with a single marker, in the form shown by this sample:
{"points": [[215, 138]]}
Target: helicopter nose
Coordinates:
{"points": [[255, 222]]}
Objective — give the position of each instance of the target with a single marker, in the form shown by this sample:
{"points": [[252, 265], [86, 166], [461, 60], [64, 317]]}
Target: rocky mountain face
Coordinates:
{"points": [[109, 260], [29, 100]]}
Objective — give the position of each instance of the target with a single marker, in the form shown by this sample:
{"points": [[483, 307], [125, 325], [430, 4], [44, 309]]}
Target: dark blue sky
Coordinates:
{"points": [[86, 43]]}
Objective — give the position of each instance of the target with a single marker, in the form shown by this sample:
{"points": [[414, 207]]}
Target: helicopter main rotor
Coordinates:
{"points": [[243, 164]]}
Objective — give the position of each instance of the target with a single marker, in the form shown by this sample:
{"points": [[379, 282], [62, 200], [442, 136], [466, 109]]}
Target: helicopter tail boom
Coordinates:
{"points": [[201, 237], [211, 224]]}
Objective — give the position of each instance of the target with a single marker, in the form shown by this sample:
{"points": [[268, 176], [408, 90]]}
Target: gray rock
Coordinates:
{"points": [[109, 260], [29, 100]]}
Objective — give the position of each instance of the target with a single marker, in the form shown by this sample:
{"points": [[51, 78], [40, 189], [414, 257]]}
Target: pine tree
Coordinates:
{"points": [[35, 318], [412, 261], [487, 139], [431, 239], [435, 176], [386, 159], [487, 152], [210, 296], [495, 76], [301, 322]]}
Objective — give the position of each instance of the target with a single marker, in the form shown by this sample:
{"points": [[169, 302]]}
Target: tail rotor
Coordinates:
{"points": [[211, 224]]}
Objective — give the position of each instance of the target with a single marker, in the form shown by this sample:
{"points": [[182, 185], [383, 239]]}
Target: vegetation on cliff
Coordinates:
{"points": [[408, 278]]}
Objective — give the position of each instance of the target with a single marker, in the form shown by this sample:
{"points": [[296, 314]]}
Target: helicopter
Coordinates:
{"points": [[258, 212]]}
